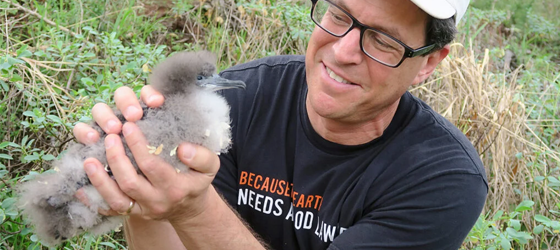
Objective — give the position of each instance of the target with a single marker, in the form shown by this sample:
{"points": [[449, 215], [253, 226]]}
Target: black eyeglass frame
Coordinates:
{"points": [[408, 51]]}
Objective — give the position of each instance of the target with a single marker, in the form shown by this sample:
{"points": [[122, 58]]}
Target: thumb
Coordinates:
{"points": [[199, 158]]}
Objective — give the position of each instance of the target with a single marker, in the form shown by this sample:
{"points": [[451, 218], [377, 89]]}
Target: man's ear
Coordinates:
{"points": [[433, 59]]}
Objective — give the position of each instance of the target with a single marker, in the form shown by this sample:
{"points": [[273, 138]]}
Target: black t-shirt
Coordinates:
{"points": [[421, 185]]}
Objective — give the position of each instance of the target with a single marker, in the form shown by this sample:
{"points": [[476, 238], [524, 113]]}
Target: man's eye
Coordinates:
{"points": [[378, 41], [339, 18]]}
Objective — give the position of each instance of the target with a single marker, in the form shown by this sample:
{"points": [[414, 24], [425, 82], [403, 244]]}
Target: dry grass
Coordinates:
{"points": [[487, 107], [45, 94]]}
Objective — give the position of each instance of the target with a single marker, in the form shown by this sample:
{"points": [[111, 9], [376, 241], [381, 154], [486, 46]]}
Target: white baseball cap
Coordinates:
{"points": [[443, 9]]}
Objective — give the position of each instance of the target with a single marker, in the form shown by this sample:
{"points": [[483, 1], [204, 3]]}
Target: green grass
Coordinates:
{"points": [[57, 62]]}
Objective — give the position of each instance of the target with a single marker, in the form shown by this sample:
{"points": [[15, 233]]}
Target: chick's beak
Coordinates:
{"points": [[216, 83]]}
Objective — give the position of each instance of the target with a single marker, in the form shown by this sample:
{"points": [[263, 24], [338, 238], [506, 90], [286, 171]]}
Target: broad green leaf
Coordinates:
{"points": [[2, 216], [522, 237], [12, 212], [490, 236], [99, 78], [538, 229], [87, 81], [5, 65], [524, 205], [23, 52], [30, 176], [8, 202], [33, 157], [516, 224], [48, 157], [26, 231], [40, 53], [498, 215], [29, 113], [539, 178], [5, 156], [22, 49], [30, 142], [555, 226], [505, 244], [8, 143], [3, 172], [13, 61], [542, 218], [34, 245], [55, 119], [553, 181], [16, 78]]}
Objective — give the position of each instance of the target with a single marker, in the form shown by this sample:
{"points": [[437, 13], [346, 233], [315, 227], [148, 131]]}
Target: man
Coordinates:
{"points": [[330, 151]]}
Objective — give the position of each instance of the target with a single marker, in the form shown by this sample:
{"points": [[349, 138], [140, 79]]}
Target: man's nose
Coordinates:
{"points": [[347, 48]]}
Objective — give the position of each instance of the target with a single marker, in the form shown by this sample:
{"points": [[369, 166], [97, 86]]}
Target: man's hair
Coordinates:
{"points": [[440, 32]]}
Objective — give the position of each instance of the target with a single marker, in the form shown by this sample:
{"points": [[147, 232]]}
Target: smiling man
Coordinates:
{"points": [[330, 150]]}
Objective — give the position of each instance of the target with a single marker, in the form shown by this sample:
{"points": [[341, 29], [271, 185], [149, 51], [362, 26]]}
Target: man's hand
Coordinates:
{"points": [[163, 193]]}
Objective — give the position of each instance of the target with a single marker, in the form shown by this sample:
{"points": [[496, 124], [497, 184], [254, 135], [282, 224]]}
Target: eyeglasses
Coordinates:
{"points": [[376, 44]]}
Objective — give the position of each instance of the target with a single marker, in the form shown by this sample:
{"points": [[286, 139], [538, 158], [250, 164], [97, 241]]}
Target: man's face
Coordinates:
{"points": [[372, 87]]}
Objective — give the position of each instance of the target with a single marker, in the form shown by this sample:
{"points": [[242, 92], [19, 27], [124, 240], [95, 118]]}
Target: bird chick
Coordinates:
{"points": [[192, 112]]}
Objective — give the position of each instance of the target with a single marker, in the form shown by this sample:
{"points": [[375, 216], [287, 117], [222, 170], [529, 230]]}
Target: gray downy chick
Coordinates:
{"points": [[192, 112]]}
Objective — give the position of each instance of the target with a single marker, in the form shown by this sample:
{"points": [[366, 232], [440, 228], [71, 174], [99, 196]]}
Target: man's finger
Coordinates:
{"points": [[158, 172], [106, 119], [82, 197], [124, 172], [128, 104], [85, 134], [199, 158], [106, 186], [151, 97]]}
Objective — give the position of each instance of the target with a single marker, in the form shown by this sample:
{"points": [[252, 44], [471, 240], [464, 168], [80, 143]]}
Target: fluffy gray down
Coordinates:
{"points": [[192, 112]]}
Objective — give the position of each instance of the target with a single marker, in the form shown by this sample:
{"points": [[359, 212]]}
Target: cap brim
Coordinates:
{"points": [[440, 9]]}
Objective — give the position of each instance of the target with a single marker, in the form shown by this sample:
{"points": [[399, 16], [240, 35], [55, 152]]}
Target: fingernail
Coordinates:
{"points": [[90, 168], [130, 111], [188, 151], [109, 142], [91, 137], [152, 99], [111, 125]]}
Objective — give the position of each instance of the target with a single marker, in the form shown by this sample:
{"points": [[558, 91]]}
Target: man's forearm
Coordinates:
{"points": [[144, 234], [218, 227]]}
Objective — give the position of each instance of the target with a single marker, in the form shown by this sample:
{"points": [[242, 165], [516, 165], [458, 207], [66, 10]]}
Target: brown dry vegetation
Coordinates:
{"points": [[480, 93]]}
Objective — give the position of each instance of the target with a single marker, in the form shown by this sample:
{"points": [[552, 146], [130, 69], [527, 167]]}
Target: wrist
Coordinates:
{"points": [[208, 208]]}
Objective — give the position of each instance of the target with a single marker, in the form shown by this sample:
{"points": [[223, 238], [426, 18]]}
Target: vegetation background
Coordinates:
{"points": [[500, 85]]}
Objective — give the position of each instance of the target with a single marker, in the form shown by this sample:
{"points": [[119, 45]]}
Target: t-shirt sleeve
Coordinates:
{"points": [[437, 213]]}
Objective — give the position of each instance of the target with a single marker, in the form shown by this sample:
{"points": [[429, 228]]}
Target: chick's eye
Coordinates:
{"points": [[199, 77]]}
